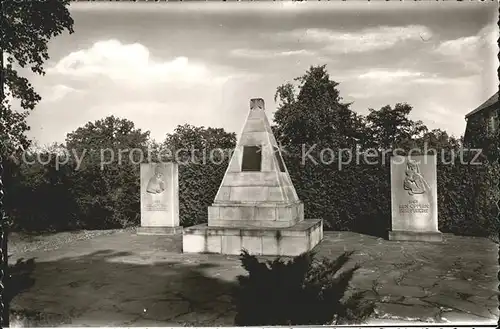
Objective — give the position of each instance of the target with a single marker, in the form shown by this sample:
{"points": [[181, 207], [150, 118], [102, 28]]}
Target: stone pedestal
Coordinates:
{"points": [[263, 214], [415, 236], [256, 207], [160, 230], [159, 199], [290, 241], [414, 199]]}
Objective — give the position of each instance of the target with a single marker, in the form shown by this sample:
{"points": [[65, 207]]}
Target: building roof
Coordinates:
{"points": [[491, 101]]}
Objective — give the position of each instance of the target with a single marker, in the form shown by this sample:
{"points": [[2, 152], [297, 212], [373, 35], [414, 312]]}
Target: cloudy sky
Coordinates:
{"points": [[165, 64]]}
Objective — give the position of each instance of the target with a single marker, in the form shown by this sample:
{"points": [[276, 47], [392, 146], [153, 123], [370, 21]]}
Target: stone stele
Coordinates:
{"points": [[159, 199], [414, 199], [256, 206]]}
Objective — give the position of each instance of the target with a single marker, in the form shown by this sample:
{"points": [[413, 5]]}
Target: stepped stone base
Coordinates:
{"points": [[258, 215], [290, 241], [416, 236], [159, 230]]}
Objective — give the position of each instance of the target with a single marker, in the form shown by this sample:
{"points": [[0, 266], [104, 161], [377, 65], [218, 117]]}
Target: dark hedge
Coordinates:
{"points": [[357, 197]]}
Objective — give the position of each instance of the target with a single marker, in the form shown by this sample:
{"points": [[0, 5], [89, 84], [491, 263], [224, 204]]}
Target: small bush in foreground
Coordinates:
{"points": [[300, 291]]}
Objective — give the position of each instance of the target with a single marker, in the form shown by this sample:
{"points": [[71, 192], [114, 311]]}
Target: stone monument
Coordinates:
{"points": [[256, 206], [159, 199], [414, 199]]}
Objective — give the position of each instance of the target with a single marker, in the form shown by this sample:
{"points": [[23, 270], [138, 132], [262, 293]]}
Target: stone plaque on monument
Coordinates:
{"points": [[414, 198], [159, 199]]}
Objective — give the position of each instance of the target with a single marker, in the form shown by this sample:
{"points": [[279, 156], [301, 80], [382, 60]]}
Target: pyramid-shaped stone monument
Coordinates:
{"points": [[256, 206]]}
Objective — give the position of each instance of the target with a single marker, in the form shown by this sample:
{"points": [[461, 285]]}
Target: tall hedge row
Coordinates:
{"points": [[198, 185], [352, 198], [41, 197], [357, 197]]}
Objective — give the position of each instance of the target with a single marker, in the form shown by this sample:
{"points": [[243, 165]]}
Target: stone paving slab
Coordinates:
{"points": [[123, 279]]}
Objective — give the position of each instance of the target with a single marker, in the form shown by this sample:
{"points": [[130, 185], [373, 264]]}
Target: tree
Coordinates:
{"points": [[315, 114], [106, 182], [27, 27], [439, 139], [391, 128], [188, 138], [107, 137], [312, 117], [43, 181], [200, 173]]}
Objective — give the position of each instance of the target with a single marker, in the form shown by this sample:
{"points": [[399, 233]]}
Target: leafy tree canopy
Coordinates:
{"points": [[111, 133], [391, 127], [199, 138], [315, 113], [439, 139], [27, 27]]}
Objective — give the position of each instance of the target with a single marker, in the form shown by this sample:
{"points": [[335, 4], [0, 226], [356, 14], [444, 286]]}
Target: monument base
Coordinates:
{"points": [[434, 236], [259, 215], [159, 230], [290, 241]]}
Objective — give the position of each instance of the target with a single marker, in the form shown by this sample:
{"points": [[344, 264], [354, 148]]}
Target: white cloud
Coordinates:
{"points": [[132, 64], [470, 47], [438, 115], [437, 80], [399, 77], [125, 80], [386, 83], [459, 46], [389, 75], [254, 53], [370, 39], [476, 53], [58, 92]]}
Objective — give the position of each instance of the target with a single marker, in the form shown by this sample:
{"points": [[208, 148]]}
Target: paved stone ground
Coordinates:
{"points": [[23, 242], [122, 279]]}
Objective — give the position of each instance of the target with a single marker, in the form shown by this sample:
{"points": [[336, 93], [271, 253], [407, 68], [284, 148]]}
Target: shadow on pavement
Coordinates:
{"points": [[122, 288]]}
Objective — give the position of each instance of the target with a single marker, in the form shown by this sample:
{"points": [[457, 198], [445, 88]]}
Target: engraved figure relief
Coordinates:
{"points": [[414, 182], [156, 185]]}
